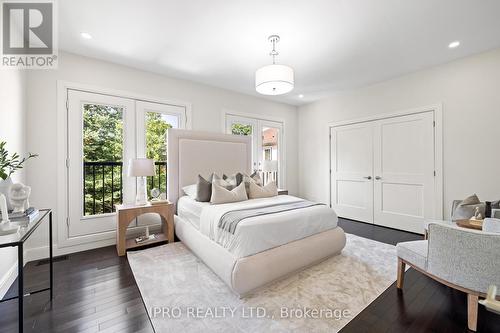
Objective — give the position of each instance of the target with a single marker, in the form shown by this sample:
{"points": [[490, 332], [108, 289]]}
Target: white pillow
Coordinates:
{"points": [[255, 191], [220, 195], [190, 191]]}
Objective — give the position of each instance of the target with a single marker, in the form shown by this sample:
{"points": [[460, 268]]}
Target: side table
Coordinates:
{"points": [[126, 213]]}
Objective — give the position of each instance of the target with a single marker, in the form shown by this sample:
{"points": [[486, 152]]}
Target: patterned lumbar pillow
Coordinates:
{"points": [[203, 189], [253, 178], [221, 195], [222, 182], [255, 191], [234, 180]]}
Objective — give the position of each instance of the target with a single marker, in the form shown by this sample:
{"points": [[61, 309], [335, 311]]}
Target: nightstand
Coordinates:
{"points": [[282, 191], [127, 213]]}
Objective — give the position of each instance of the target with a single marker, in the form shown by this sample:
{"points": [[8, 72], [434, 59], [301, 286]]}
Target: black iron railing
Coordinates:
{"points": [[103, 185]]}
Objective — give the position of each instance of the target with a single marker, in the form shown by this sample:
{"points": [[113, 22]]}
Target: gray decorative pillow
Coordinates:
{"points": [[495, 204], [203, 189], [471, 200]]}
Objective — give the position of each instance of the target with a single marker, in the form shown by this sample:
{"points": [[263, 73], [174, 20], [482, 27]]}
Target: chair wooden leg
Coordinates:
{"points": [[401, 273], [472, 305]]}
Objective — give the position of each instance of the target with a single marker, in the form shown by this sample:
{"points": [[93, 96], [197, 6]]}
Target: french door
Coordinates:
{"points": [[104, 133], [382, 171], [267, 145]]}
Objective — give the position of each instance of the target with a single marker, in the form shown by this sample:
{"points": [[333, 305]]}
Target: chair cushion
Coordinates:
{"points": [[414, 252]]}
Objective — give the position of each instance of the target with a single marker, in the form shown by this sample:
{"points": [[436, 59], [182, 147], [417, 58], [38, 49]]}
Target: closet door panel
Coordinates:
{"points": [[404, 171], [352, 171]]}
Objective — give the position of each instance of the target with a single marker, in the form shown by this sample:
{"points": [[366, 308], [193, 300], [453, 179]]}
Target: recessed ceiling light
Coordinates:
{"points": [[301, 96], [85, 35], [454, 44]]}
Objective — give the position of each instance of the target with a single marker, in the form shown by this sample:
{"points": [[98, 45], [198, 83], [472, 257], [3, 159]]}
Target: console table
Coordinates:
{"points": [[18, 239]]}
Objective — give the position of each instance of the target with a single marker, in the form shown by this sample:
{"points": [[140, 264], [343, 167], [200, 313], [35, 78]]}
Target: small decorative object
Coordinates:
{"points": [[157, 197], [141, 168], [6, 227], [487, 210], [9, 165], [155, 193], [146, 237], [18, 196], [477, 215]]}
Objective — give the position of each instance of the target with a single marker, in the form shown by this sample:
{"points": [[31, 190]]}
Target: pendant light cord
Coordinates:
{"points": [[274, 53]]}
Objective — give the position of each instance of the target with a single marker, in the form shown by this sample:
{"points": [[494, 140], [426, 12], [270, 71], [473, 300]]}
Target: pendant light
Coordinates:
{"points": [[274, 79]]}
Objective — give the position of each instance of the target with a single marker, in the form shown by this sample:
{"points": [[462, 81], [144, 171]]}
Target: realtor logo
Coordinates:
{"points": [[28, 35]]}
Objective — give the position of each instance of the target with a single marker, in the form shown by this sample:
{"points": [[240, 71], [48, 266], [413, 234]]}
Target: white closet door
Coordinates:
{"points": [[404, 171], [352, 171]]}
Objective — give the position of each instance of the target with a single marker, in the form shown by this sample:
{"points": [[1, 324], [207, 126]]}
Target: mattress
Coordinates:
{"points": [[261, 233], [190, 210]]}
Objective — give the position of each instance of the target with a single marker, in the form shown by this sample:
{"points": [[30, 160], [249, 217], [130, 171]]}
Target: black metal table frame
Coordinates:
{"points": [[20, 263]]}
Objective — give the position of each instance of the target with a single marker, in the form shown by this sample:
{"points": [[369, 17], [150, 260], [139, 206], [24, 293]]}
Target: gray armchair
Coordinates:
{"points": [[464, 259]]}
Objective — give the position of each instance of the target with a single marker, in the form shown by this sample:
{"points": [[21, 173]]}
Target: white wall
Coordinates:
{"points": [[207, 104], [469, 90], [12, 130]]}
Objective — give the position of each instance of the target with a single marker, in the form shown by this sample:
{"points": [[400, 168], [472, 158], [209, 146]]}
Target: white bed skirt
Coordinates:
{"points": [[246, 274]]}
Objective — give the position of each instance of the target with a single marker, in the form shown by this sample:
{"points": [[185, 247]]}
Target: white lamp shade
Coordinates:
{"points": [[141, 167], [269, 166], [274, 80]]}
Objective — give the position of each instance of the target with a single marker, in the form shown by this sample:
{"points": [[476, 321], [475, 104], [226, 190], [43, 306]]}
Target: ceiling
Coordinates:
{"points": [[331, 44]]}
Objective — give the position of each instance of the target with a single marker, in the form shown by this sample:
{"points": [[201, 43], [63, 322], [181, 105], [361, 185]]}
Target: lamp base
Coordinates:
{"points": [[141, 198]]}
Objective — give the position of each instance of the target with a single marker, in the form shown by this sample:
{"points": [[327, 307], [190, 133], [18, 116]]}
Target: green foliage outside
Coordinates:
{"points": [[156, 149], [240, 129], [103, 142]]}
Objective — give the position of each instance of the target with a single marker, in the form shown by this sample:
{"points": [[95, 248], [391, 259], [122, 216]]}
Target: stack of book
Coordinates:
{"points": [[25, 217]]}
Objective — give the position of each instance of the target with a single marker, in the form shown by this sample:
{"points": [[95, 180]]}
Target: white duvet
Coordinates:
{"points": [[260, 233]]}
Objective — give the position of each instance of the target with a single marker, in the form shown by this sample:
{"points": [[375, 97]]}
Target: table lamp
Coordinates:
{"points": [[141, 168]]}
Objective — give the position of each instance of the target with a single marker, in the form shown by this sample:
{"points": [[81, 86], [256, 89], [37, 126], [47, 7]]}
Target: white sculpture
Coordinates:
{"points": [[6, 227], [477, 215], [18, 196]]}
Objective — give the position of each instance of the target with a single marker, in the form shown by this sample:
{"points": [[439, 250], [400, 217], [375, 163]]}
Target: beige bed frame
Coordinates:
{"points": [[191, 153]]}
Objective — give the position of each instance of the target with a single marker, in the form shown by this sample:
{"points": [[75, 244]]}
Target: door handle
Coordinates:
{"points": [[378, 177], [368, 177]]}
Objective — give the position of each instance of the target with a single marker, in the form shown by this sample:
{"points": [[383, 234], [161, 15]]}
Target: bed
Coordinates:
{"points": [[259, 249]]}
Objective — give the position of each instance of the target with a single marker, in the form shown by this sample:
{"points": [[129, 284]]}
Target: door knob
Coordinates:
{"points": [[368, 177], [378, 177]]}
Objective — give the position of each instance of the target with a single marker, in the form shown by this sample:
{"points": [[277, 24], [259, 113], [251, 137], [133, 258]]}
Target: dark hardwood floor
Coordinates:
{"points": [[424, 305], [95, 291]]}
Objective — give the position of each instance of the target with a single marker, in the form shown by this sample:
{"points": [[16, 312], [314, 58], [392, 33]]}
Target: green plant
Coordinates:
{"points": [[9, 165]]}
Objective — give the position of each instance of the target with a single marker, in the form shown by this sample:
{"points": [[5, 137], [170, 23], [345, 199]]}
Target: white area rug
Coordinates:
{"points": [[183, 295]]}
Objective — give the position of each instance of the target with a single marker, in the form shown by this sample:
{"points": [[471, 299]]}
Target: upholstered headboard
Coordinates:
{"points": [[190, 153]]}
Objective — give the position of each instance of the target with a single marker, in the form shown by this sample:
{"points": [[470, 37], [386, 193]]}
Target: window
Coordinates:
{"points": [[102, 157], [157, 125], [267, 142], [104, 132]]}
